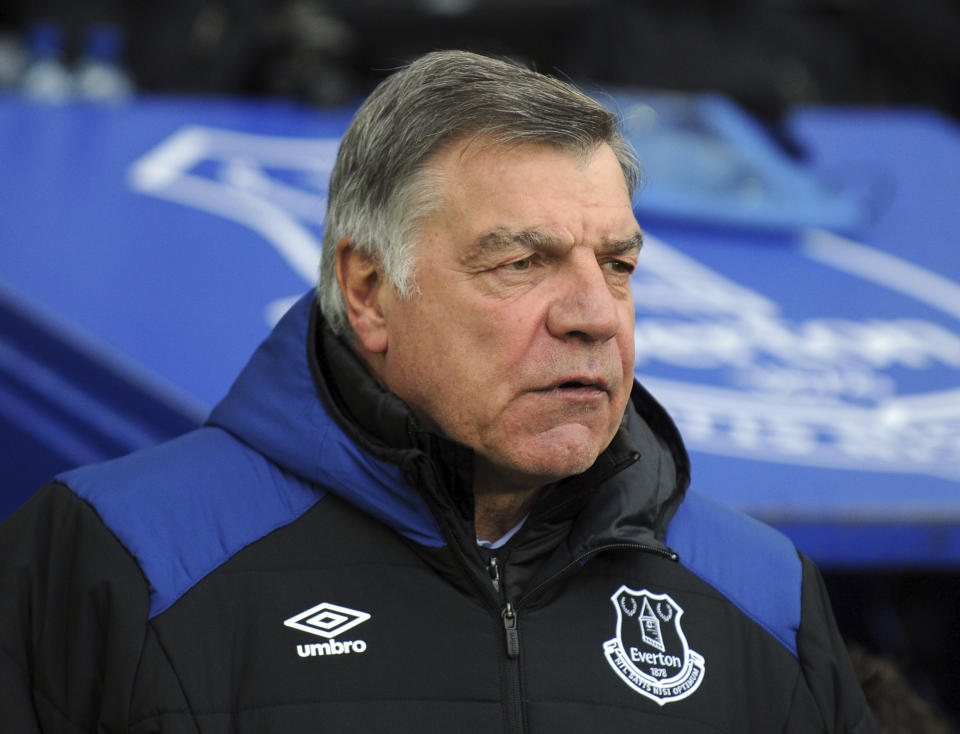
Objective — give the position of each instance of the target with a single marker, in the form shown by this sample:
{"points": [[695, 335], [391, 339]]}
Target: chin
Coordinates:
{"points": [[560, 460]]}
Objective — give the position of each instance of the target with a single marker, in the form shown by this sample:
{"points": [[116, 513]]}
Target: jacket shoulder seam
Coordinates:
{"points": [[175, 509], [752, 565]]}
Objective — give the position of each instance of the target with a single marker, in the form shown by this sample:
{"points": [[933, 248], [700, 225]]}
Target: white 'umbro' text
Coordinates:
{"points": [[334, 647]]}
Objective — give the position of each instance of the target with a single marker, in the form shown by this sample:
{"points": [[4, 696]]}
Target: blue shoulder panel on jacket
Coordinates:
{"points": [[750, 563], [185, 507]]}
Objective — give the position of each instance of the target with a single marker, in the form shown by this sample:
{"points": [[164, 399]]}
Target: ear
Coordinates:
{"points": [[360, 278]]}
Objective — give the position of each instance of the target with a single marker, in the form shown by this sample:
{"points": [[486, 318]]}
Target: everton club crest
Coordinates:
{"points": [[650, 652]]}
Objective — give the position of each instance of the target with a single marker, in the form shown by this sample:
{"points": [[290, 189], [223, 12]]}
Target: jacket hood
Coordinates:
{"points": [[273, 406], [363, 444]]}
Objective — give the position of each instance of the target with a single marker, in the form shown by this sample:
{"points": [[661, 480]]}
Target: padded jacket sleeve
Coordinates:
{"points": [[73, 616], [828, 691]]}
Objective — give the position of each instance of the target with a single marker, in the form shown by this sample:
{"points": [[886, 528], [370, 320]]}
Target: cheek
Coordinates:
{"points": [[628, 357], [491, 346], [625, 338]]}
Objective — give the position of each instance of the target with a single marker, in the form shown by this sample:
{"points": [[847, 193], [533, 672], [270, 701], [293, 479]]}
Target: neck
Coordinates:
{"points": [[499, 504]]}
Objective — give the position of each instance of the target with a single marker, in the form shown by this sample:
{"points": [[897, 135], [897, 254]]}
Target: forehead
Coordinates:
{"points": [[548, 195]]}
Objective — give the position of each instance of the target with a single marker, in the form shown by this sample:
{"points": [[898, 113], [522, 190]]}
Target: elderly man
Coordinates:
{"points": [[435, 500]]}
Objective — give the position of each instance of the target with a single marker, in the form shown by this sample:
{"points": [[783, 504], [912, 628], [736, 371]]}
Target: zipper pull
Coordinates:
{"points": [[510, 625], [493, 568]]}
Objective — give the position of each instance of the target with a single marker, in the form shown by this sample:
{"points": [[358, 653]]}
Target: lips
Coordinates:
{"points": [[580, 383]]}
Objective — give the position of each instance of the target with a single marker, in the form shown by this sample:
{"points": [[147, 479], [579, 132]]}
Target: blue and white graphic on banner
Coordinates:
{"points": [[830, 354], [862, 373], [276, 186]]}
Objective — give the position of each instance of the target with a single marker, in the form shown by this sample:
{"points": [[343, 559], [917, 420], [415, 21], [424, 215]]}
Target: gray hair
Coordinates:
{"points": [[381, 187]]}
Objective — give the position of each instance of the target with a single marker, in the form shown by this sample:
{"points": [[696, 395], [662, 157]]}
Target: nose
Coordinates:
{"points": [[583, 307]]}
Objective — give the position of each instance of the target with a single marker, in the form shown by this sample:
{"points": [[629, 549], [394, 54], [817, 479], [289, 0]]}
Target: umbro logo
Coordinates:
{"points": [[329, 621]]}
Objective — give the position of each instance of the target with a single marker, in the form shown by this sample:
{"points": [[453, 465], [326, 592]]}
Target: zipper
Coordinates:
{"points": [[510, 667], [661, 551], [510, 626], [514, 717], [513, 714], [493, 568], [507, 613]]}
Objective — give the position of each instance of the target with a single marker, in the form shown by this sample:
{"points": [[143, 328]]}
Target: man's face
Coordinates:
{"points": [[519, 342]]}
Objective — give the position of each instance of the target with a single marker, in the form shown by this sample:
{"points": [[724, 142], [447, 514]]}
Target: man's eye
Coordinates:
{"points": [[621, 267], [519, 265]]}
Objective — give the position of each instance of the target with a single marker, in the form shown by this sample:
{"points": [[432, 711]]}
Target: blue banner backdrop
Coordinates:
{"points": [[801, 322]]}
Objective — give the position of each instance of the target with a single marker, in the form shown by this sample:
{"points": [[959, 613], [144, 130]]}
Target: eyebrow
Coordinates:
{"points": [[633, 243], [502, 239]]}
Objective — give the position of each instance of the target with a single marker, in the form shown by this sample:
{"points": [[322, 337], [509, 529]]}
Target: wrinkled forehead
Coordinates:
{"points": [[468, 165], [462, 150]]}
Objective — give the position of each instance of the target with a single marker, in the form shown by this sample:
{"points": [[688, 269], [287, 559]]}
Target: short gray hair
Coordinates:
{"points": [[380, 189]]}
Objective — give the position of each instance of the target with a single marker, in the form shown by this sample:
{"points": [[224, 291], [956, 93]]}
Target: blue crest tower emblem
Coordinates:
{"points": [[650, 652]]}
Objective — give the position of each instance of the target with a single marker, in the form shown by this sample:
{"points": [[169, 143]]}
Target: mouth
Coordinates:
{"points": [[580, 385]]}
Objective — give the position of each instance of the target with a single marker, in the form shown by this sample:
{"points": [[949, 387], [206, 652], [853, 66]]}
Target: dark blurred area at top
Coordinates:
{"points": [[768, 55]]}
